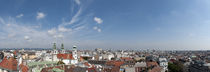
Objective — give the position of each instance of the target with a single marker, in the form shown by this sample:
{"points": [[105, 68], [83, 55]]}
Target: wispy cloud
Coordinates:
{"points": [[63, 29], [74, 19], [11, 35], [76, 22], [19, 32], [77, 1], [52, 31], [40, 15], [19, 16], [97, 28], [2, 21]]}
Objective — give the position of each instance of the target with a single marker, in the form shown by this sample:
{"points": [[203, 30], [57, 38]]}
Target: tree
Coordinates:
{"points": [[175, 67]]}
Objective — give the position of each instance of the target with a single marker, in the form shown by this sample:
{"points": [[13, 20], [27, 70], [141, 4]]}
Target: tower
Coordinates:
{"points": [[74, 52], [54, 49], [55, 52], [62, 48]]}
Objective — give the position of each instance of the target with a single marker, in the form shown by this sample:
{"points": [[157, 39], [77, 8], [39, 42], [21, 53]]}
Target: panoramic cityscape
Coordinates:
{"points": [[104, 36]]}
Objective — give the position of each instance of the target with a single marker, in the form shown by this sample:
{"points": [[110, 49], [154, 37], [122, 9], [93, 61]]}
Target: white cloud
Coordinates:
{"points": [[77, 1], [8, 25], [42, 37], [40, 15], [19, 16], [11, 35], [22, 35], [79, 28], [26, 37], [2, 20], [63, 29], [98, 20], [99, 30], [52, 31], [60, 36], [95, 27]]}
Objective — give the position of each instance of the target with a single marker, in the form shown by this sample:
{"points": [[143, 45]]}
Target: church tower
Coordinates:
{"points": [[55, 52], [74, 52], [62, 49]]}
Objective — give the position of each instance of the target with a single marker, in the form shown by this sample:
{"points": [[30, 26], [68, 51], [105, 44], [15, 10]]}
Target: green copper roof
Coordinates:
{"points": [[57, 70], [37, 69], [54, 45], [41, 63], [62, 46]]}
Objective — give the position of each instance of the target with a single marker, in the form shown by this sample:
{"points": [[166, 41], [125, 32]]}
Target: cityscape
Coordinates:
{"points": [[58, 59], [104, 36]]}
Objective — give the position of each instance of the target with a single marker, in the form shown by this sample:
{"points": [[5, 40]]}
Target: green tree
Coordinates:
{"points": [[175, 67]]}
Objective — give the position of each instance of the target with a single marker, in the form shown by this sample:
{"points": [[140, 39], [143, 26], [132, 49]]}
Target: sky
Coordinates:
{"points": [[107, 24]]}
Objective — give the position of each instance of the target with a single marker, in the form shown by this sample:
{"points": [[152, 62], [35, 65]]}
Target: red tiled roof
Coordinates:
{"points": [[152, 64], [115, 63], [65, 56], [10, 64], [87, 64], [23, 68], [126, 58], [156, 69], [91, 69]]}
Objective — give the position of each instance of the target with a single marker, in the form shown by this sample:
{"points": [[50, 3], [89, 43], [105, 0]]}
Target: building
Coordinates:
{"points": [[68, 58], [163, 63], [54, 54], [12, 64]]}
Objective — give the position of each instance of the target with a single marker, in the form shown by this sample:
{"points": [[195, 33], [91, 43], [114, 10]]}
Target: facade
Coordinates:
{"points": [[108, 56], [66, 57], [163, 63], [12, 64]]}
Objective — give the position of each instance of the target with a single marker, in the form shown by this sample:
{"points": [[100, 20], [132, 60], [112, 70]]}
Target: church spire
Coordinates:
{"points": [[54, 45], [62, 46]]}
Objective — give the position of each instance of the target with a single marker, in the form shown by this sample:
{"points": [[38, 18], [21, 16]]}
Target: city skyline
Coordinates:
{"points": [[90, 24]]}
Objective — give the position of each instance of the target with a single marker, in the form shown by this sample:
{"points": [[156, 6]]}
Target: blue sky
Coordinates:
{"points": [[108, 24]]}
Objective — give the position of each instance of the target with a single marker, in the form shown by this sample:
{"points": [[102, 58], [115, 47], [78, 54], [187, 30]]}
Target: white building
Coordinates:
{"points": [[108, 56], [163, 63], [69, 58], [54, 54]]}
